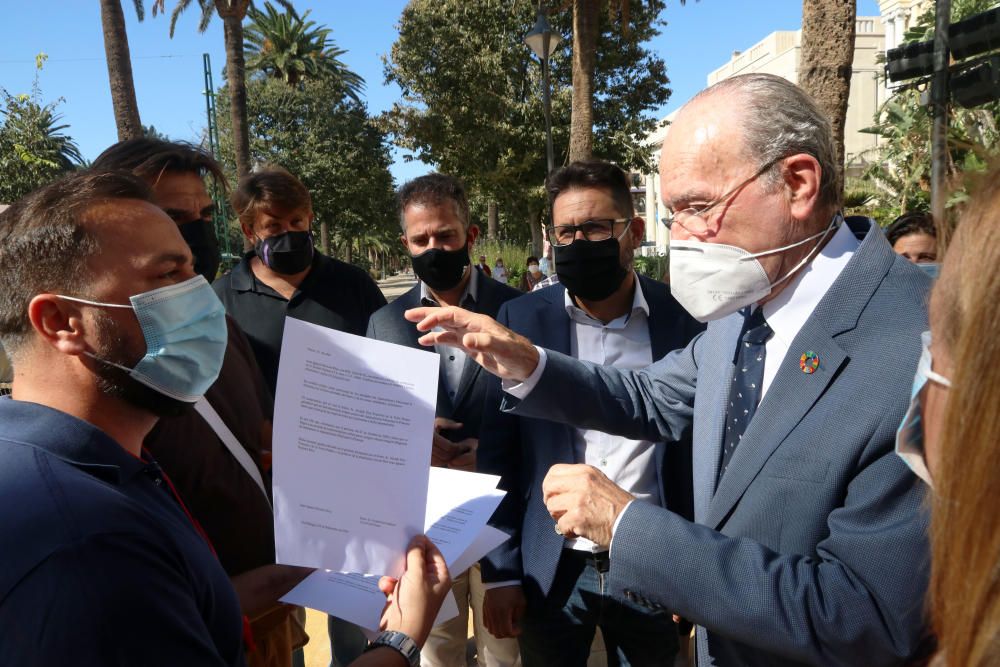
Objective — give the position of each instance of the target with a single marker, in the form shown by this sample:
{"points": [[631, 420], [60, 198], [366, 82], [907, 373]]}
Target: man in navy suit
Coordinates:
{"points": [[434, 215], [809, 544], [542, 587]]}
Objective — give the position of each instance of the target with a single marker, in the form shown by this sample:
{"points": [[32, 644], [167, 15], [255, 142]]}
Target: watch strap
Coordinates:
{"points": [[399, 641]]}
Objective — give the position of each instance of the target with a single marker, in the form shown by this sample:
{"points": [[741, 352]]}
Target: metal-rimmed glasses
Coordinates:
{"points": [[694, 219], [593, 230]]}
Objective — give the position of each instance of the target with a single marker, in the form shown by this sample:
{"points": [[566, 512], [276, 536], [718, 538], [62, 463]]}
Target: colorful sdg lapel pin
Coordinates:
{"points": [[809, 362]]}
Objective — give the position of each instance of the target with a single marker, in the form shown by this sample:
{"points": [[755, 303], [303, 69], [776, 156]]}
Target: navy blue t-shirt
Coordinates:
{"points": [[99, 564]]}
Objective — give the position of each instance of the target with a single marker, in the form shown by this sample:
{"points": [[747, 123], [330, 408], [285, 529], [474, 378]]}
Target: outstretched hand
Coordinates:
{"points": [[413, 601], [491, 345]]}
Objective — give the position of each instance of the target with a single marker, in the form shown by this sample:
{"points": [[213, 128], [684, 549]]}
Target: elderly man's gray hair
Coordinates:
{"points": [[778, 120]]}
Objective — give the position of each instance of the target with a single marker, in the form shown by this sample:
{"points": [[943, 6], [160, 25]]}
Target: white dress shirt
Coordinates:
{"points": [[622, 343]]}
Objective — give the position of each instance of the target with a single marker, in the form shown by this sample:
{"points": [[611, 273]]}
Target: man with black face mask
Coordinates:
{"points": [[434, 215], [234, 509], [546, 589], [284, 274]]}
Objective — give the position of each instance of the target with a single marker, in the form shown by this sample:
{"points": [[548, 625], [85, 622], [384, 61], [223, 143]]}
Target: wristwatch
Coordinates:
{"points": [[401, 642]]}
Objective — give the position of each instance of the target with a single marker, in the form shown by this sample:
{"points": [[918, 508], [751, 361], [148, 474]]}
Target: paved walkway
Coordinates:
{"points": [[398, 284]]}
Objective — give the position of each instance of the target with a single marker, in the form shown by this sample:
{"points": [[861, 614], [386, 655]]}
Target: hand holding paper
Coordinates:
{"points": [[414, 600]]}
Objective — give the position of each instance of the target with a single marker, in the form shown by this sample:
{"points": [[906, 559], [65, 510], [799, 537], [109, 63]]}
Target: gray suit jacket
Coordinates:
{"points": [[812, 550], [521, 451], [388, 324]]}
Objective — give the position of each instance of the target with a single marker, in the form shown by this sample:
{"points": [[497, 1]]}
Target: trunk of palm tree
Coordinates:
{"points": [[828, 28], [586, 25], [232, 22], [491, 220], [120, 71]]}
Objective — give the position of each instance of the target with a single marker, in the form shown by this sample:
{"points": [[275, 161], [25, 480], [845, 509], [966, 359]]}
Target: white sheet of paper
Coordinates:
{"points": [[352, 597], [353, 425], [486, 541], [459, 504]]}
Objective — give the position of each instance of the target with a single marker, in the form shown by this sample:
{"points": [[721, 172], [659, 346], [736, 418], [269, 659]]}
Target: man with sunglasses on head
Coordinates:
{"points": [[809, 542], [545, 588]]}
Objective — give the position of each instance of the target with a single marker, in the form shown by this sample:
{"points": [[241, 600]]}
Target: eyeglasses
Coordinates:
{"points": [[694, 219], [592, 230]]}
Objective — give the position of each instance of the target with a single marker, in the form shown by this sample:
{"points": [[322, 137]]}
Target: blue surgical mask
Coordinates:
{"points": [[185, 330], [930, 268], [910, 435]]}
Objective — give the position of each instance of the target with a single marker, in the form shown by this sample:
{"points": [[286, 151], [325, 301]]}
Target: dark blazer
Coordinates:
{"points": [[521, 450], [812, 548], [388, 324]]}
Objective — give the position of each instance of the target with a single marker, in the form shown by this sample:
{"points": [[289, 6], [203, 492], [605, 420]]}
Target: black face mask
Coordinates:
{"points": [[441, 269], [591, 270], [200, 237], [288, 253]]}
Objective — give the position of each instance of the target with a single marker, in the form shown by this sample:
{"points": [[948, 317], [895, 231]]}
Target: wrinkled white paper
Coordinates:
{"points": [[458, 506]]}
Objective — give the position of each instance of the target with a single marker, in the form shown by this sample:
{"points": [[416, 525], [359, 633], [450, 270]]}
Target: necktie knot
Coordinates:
{"points": [[756, 330]]}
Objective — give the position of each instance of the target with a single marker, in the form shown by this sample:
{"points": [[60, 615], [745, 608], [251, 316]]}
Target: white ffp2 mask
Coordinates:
{"points": [[712, 280]]}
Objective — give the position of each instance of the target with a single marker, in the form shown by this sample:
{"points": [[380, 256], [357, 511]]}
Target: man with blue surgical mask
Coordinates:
{"points": [[808, 544], [109, 328]]}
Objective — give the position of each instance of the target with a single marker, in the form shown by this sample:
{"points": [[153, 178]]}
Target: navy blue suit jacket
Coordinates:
{"points": [[521, 450], [388, 324], [812, 547]]}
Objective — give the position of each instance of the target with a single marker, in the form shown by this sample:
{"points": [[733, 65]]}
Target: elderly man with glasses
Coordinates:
{"points": [[808, 543], [546, 589]]}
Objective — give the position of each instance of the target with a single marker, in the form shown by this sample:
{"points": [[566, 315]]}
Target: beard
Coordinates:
{"points": [[116, 383]]}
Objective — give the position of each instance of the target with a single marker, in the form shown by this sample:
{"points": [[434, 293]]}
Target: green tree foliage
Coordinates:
{"points": [[293, 49], [33, 146], [472, 101], [900, 169], [328, 141]]}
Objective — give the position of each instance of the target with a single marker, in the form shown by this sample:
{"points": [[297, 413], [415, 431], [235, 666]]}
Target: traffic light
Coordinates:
{"points": [[977, 85]]}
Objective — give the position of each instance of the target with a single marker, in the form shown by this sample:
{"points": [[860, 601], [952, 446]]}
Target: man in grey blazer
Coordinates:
{"points": [[434, 215], [808, 545]]}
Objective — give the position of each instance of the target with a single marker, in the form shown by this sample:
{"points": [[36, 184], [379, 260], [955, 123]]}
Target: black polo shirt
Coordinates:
{"points": [[99, 564], [333, 294]]}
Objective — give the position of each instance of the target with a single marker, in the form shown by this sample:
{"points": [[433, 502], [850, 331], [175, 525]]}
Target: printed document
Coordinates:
{"points": [[353, 425]]}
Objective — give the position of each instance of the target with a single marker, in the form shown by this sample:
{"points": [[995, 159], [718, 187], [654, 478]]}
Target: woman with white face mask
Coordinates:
{"points": [[950, 438]]}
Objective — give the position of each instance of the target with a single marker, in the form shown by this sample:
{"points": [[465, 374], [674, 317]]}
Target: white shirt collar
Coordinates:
{"points": [[471, 290], [577, 314], [788, 312]]}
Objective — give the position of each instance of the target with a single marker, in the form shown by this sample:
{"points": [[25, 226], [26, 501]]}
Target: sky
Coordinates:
{"points": [[699, 37]]}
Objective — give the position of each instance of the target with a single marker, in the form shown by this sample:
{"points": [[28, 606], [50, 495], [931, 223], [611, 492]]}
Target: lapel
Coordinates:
{"points": [[661, 330], [793, 393], [410, 299], [552, 331], [715, 372], [471, 370]]}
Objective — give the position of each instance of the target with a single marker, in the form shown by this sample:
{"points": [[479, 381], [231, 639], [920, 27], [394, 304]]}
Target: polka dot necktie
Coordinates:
{"points": [[745, 389]]}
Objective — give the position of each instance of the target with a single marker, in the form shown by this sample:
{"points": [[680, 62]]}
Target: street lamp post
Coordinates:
{"points": [[542, 41]]}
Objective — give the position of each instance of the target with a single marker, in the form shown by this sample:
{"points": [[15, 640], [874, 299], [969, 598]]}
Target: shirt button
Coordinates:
{"points": [[157, 481], [604, 462]]}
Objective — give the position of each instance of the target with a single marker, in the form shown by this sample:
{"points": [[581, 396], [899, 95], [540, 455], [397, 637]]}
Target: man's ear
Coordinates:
{"points": [[638, 231], [402, 239], [802, 175], [58, 322], [247, 232], [471, 235]]}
